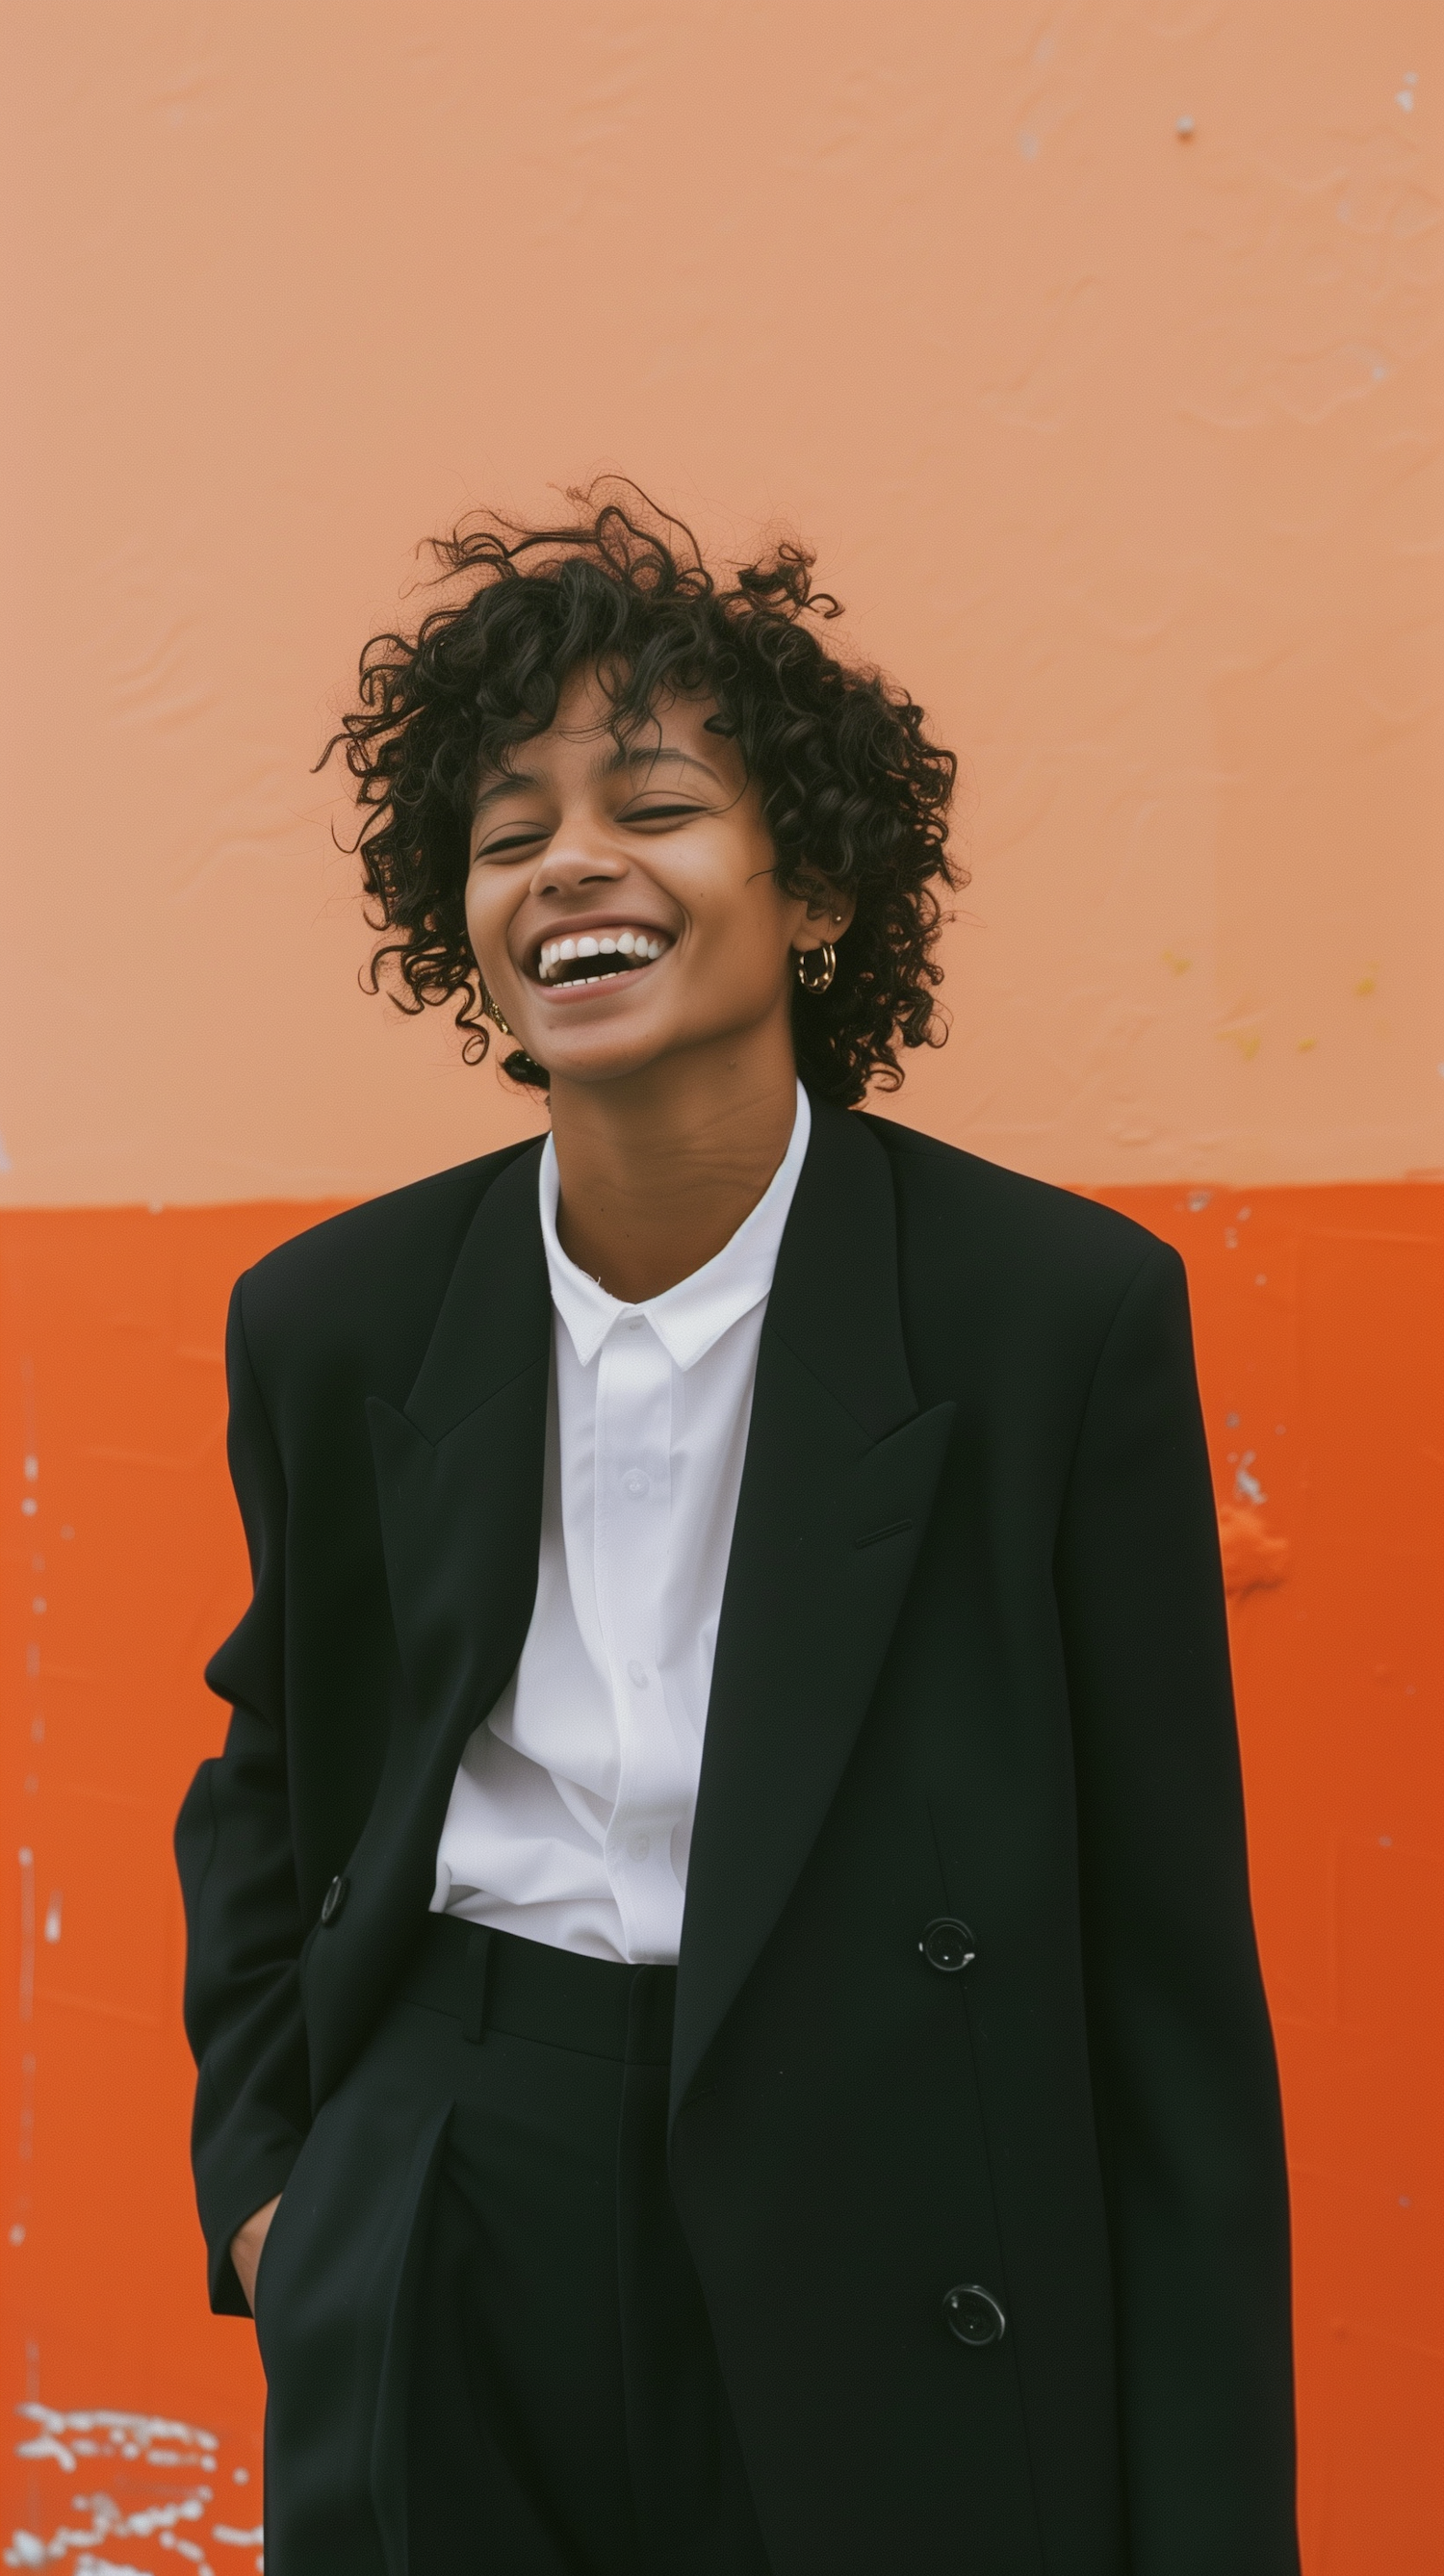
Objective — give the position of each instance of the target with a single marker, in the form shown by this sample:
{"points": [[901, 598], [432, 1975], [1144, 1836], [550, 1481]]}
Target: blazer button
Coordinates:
{"points": [[974, 2316], [948, 1945], [334, 1898]]}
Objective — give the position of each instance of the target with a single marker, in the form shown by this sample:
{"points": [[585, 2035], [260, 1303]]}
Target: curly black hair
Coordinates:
{"points": [[852, 791]]}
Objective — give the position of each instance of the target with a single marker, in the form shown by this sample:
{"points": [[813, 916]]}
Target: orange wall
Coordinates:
{"points": [[1121, 443], [1323, 1374]]}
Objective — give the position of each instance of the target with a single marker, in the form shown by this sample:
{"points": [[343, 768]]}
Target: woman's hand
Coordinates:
{"points": [[246, 2248]]}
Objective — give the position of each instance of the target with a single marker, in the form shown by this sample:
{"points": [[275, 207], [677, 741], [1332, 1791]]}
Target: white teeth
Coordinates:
{"points": [[555, 953]]}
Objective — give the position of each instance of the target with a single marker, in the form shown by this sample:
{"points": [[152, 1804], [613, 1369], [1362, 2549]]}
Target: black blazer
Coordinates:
{"points": [[972, 1663]]}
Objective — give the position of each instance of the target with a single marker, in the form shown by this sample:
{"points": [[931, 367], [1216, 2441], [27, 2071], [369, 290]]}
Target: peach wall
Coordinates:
{"points": [[1117, 443]]}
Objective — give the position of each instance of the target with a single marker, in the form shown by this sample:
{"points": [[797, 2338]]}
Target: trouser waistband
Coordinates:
{"points": [[491, 1980]]}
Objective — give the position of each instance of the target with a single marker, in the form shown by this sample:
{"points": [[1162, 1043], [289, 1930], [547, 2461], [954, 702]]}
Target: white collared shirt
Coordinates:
{"points": [[570, 1819]]}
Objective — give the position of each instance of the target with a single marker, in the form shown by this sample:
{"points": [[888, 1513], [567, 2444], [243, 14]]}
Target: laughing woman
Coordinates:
{"points": [[729, 2030]]}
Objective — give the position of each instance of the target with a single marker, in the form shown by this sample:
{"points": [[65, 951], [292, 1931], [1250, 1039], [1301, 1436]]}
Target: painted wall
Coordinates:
{"points": [[1096, 347], [1117, 442]]}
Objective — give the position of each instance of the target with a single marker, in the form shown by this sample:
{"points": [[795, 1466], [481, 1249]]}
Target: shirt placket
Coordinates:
{"points": [[633, 1531]]}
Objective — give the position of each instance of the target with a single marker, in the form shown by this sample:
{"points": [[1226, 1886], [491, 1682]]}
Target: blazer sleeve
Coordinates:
{"points": [[1185, 2084], [244, 1926]]}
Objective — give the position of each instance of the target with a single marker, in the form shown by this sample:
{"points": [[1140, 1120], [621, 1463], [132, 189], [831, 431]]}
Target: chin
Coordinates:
{"points": [[604, 1060]]}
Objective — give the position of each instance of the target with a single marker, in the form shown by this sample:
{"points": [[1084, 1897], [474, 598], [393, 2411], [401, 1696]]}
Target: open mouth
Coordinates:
{"points": [[597, 957]]}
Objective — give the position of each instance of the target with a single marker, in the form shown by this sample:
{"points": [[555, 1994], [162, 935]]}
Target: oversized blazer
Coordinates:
{"points": [[972, 1667]]}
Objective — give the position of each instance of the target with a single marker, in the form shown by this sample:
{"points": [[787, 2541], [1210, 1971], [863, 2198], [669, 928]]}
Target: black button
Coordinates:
{"points": [[334, 1898], [948, 1945], [974, 2316]]}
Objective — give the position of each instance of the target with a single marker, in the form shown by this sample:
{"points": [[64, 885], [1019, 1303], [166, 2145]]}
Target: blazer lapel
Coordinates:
{"points": [[459, 1485], [838, 1484], [459, 1472]]}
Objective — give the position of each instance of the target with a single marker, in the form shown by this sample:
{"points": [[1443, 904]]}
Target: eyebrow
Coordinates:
{"points": [[623, 756]]}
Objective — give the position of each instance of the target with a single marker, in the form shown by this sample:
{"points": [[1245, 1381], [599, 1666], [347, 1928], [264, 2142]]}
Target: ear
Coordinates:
{"points": [[829, 912]]}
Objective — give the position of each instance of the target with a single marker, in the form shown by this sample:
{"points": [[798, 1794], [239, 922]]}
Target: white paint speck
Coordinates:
{"points": [[52, 1917], [1246, 1487], [32, 1471], [102, 2432]]}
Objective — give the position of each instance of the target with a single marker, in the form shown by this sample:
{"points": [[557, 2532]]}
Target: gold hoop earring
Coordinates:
{"points": [[493, 1014], [815, 983]]}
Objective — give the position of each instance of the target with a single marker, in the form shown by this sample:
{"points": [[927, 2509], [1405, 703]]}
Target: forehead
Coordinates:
{"points": [[585, 742]]}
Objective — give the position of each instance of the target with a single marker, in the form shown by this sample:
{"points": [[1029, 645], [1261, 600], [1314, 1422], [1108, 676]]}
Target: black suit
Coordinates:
{"points": [[972, 1663]]}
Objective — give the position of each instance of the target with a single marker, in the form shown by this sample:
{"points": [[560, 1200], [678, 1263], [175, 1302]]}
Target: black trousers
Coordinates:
{"points": [[483, 2270]]}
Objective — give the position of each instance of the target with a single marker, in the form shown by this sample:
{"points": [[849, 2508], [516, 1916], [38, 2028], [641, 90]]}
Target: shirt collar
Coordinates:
{"points": [[689, 1318]]}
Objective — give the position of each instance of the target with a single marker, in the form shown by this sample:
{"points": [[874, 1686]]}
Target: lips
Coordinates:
{"points": [[599, 956]]}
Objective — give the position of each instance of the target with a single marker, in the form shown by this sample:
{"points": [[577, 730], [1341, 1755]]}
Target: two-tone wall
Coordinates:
{"points": [[1096, 348]]}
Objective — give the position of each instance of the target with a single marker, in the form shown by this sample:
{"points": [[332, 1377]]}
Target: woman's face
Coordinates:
{"points": [[622, 903]]}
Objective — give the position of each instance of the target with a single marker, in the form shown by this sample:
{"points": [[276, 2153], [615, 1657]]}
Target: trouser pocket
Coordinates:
{"points": [[333, 2307]]}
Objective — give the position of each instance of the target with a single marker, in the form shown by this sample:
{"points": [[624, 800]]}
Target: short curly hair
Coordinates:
{"points": [[853, 793]]}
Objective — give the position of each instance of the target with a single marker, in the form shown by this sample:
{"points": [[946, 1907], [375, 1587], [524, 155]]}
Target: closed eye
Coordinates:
{"points": [[509, 843], [660, 813]]}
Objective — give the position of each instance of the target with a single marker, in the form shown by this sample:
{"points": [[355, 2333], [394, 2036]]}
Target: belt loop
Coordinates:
{"points": [[649, 2016], [473, 1982], [638, 1998]]}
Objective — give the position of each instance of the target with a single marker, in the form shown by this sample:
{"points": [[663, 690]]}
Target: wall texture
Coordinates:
{"points": [[1096, 346]]}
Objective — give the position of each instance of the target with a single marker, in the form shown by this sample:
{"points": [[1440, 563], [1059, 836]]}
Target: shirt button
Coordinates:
{"points": [[636, 1484], [637, 1672], [635, 1323], [639, 1845]]}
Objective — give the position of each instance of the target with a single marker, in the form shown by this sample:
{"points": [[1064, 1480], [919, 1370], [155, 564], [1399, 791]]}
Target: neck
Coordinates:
{"points": [[660, 1168]]}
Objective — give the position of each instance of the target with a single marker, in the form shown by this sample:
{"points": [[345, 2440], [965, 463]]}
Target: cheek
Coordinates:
{"points": [[480, 923], [747, 910]]}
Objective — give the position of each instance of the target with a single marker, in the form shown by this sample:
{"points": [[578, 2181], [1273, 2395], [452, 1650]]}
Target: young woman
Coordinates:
{"points": [[729, 2030]]}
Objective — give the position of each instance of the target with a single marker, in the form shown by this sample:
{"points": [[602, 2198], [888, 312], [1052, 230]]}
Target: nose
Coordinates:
{"points": [[577, 856]]}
